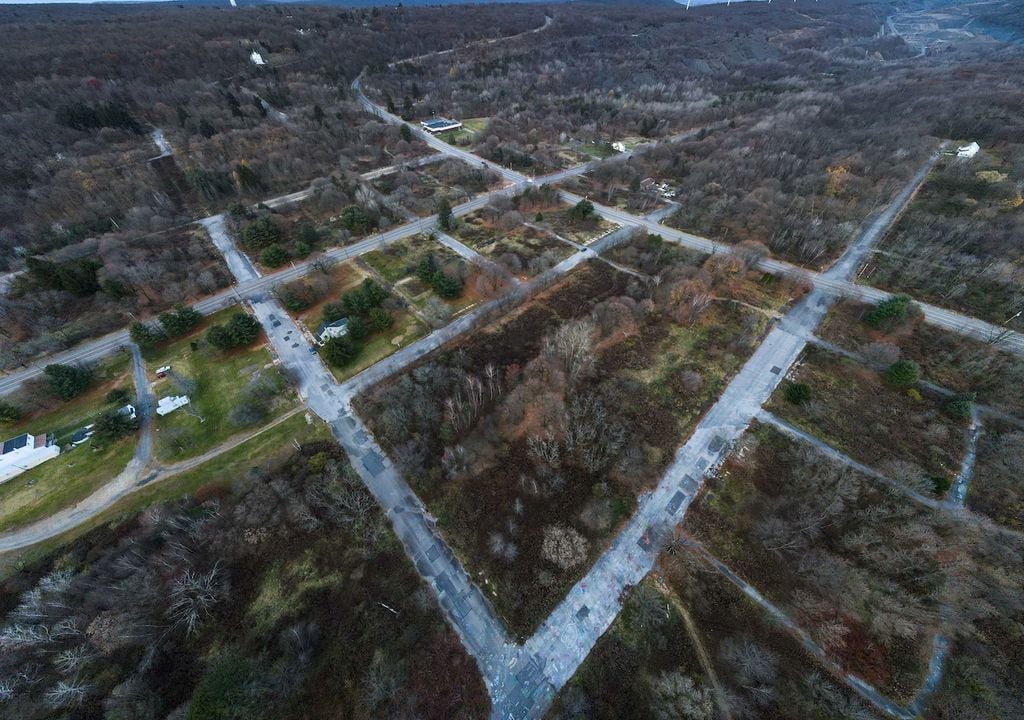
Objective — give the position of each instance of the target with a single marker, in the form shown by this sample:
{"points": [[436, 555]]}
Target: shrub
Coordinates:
{"points": [[368, 295], [119, 396], [942, 485], [564, 546], [355, 219], [340, 351], [9, 412], [379, 319], [241, 329], [274, 256], [358, 328], [959, 406], [260, 233], [798, 393], [144, 335], [903, 373], [332, 311], [581, 211], [888, 312], [68, 381], [112, 425], [445, 286], [222, 692], [179, 320]]}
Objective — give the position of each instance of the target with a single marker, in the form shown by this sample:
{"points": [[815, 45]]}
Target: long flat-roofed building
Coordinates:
{"points": [[25, 452], [439, 125]]}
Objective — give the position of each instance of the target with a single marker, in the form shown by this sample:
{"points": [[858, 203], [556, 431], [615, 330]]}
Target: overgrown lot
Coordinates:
{"points": [[958, 245], [276, 598], [335, 214], [429, 276], [854, 565], [529, 440], [653, 663], [997, 487], [502, 237], [420, 189], [902, 432], [953, 361]]}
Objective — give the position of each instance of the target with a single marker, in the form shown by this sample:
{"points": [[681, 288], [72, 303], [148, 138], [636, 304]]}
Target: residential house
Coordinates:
{"points": [[326, 331]]}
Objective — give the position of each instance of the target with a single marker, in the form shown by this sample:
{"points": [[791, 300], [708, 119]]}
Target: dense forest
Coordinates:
{"points": [[85, 190], [811, 120], [275, 599]]}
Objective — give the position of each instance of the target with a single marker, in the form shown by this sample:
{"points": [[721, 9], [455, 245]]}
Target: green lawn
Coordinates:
{"points": [[60, 482], [381, 344], [230, 468], [475, 124], [397, 264], [598, 151], [220, 386]]}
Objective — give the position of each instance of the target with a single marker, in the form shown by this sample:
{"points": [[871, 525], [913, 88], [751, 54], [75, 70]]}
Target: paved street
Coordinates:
{"points": [[464, 605], [567, 636], [549, 659]]}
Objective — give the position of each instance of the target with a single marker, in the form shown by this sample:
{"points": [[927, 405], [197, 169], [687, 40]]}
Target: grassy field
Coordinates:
{"points": [[71, 476], [597, 150], [583, 232], [61, 482], [475, 124], [217, 383], [232, 468]]}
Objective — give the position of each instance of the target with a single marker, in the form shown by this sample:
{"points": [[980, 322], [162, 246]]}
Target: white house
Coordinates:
{"points": [[968, 151], [24, 452], [619, 146], [256, 58], [326, 331], [440, 125], [171, 403]]}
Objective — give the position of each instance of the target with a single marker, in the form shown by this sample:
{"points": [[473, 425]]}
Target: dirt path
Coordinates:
{"points": [[698, 645]]}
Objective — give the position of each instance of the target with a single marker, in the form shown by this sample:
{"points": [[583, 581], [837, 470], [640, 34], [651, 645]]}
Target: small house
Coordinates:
{"points": [[169, 404], [968, 151], [24, 452], [326, 331], [257, 58], [440, 125]]}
